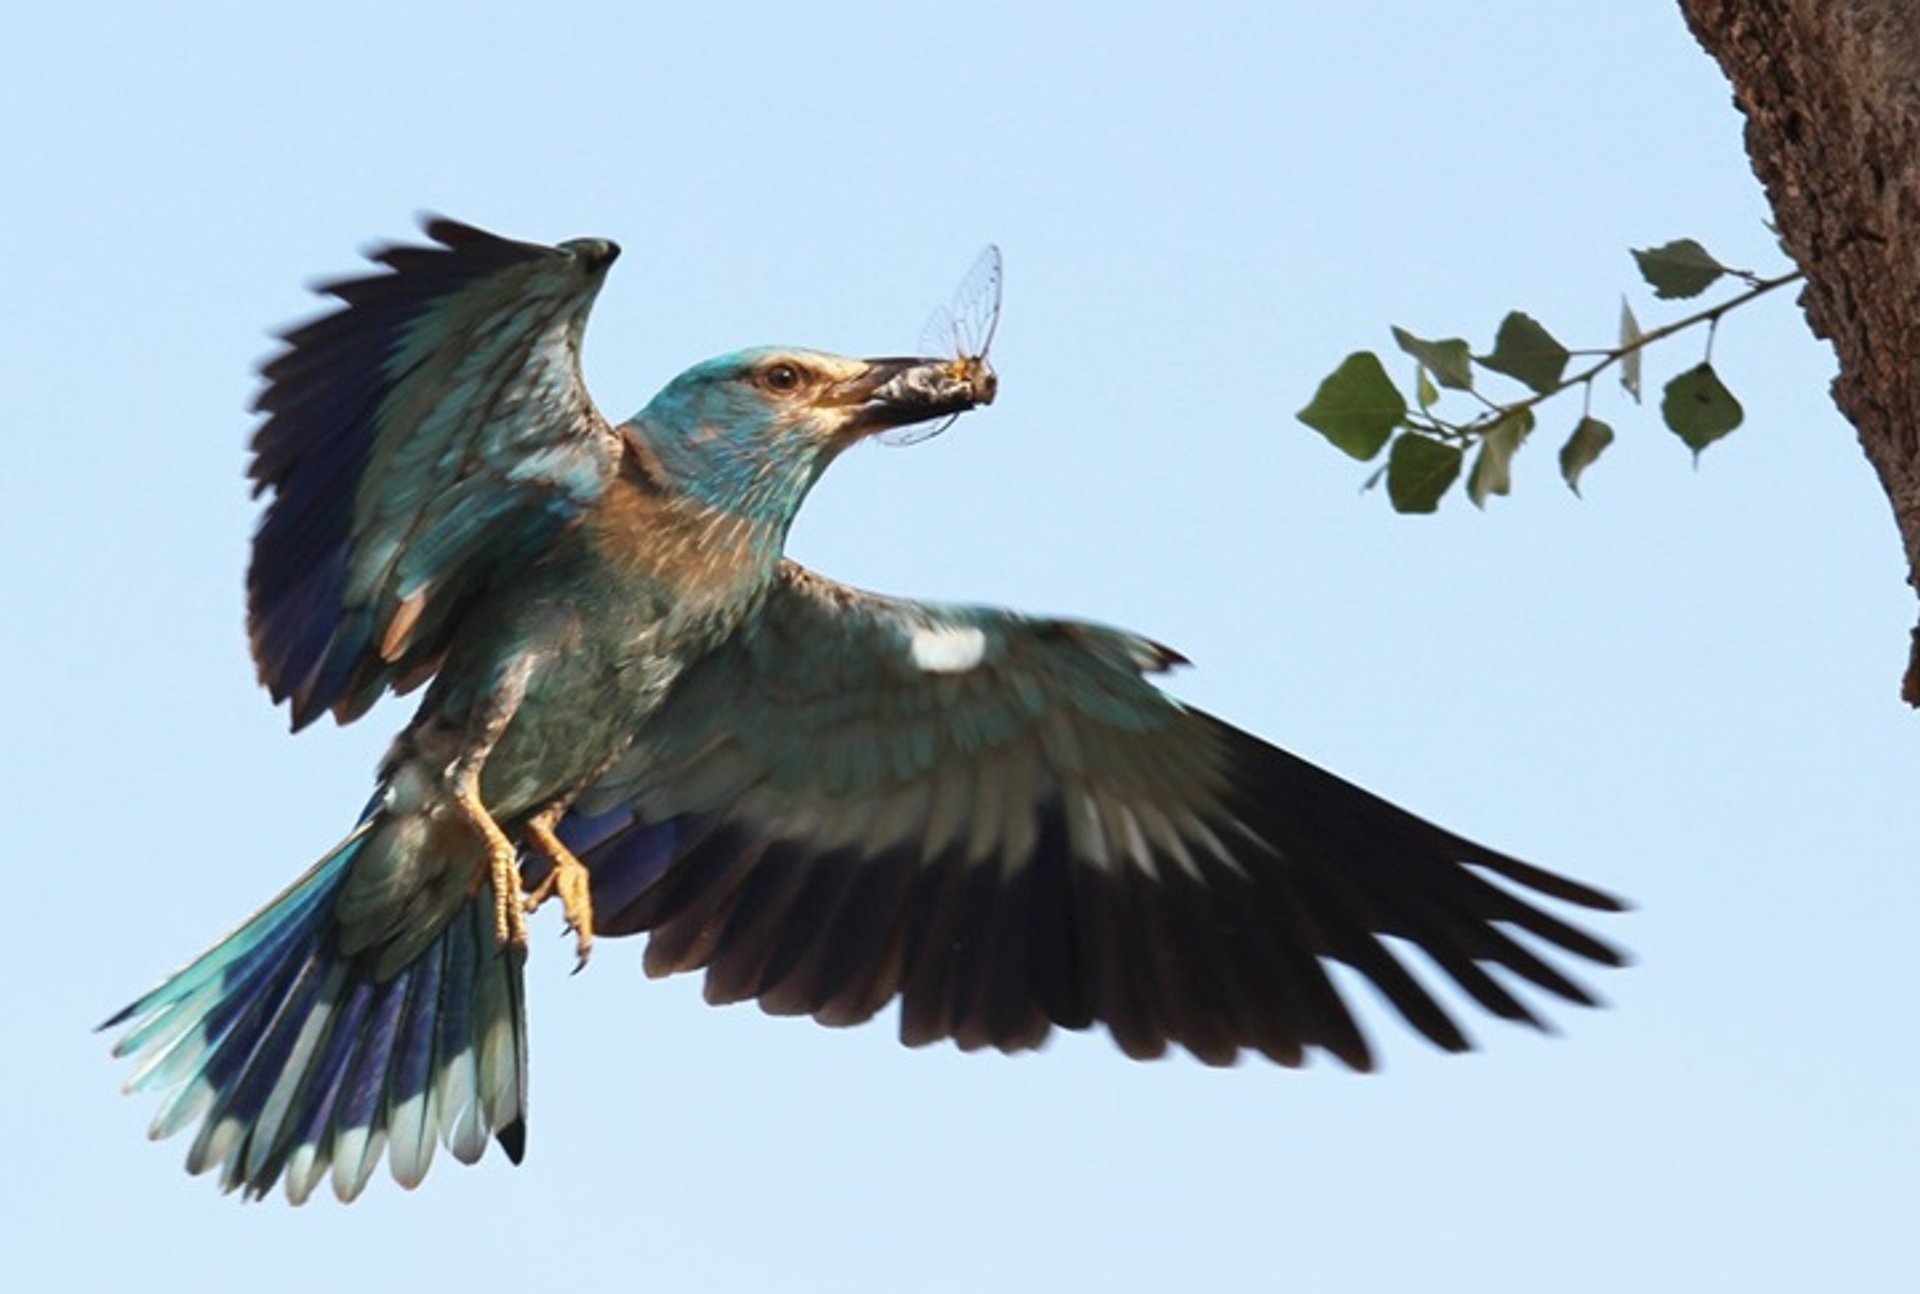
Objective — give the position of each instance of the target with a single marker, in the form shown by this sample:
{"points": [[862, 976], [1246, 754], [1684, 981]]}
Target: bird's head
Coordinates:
{"points": [[750, 432]]}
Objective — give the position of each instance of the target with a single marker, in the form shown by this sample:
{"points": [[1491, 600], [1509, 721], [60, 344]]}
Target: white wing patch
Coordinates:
{"points": [[947, 649]]}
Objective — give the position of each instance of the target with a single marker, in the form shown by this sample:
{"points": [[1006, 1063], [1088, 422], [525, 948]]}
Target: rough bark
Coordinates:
{"points": [[1831, 93]]}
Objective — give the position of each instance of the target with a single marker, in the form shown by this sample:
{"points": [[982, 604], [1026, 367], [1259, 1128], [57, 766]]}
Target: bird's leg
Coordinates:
{"points": [[487, 723], [503, 863], [568, 878]]}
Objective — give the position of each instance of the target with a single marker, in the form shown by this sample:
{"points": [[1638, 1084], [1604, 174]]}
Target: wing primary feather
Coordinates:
{"points": [[686, 938], [1215, 1001], [1290, 936], [764, 899], [708, 855], [1195, 1001], [1006, 1011], [928, 950], [861, 958], [975, 927], [790, 980], [1109, 956], [1055, 939], [1355, 944], [1273, 1015]]}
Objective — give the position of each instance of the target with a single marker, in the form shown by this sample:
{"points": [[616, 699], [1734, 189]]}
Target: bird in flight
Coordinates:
{"points": [[826, 799]]}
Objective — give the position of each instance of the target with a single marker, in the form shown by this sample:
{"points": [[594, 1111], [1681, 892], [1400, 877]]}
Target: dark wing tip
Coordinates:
{"points": [[1166, 658], [467, 243], [1605, 954], [1542, 881], [460, 236], [595, 254]]}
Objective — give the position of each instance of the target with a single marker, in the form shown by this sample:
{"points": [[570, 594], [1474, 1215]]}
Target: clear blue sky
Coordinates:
{"points": [[1683, 687]]}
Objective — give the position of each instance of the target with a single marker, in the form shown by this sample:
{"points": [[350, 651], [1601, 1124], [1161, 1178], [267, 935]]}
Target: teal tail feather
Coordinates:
{"points": [[303, 1062]]}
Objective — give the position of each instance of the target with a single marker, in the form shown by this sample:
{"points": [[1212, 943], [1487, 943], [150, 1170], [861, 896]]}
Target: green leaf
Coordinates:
{"points": [[1523, 349], [1682, 268], [1357, 407], [1449, 360], [1424, 390], [1589, 440], [1699, 408], [1630, 335], [1419, 470], [1493, 465]]}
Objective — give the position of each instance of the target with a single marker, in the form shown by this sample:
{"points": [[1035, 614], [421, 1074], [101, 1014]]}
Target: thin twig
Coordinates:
{"points": [[1710, 316]]}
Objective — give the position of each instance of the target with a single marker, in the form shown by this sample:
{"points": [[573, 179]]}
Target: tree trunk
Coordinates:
{"points": [[1831, 93]]}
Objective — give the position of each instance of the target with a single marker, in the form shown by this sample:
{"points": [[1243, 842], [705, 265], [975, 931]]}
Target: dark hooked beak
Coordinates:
{"points": [[900, 392]]}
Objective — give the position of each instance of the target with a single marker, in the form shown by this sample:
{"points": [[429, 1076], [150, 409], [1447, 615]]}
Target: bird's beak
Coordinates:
{"points": [[892, 393]]}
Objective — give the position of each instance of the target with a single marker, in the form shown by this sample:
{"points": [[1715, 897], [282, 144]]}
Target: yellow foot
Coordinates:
{"points": [[569, 879], [509, 922]]}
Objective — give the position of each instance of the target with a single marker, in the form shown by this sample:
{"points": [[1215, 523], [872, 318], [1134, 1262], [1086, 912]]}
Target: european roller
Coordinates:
{"points": [[826, 799]]}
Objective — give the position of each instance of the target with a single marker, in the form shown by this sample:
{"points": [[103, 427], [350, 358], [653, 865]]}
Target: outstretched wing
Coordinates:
{"points": [[1002, 822], [420, 442]]}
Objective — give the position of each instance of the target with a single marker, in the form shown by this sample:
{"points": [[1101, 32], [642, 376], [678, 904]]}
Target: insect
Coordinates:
{"points": [[963, 328]]}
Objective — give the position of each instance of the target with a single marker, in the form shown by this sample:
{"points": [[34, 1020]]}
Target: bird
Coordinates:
{"points": [[827, 799]]}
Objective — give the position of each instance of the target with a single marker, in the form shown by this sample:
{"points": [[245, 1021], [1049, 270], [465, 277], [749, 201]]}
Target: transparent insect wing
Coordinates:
{"points": [[941, 336], [901, 437], [975, 312], [963, 329]]}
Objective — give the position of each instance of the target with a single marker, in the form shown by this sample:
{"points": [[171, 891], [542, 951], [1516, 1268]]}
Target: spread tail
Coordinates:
{"points": [[303, 1058]]}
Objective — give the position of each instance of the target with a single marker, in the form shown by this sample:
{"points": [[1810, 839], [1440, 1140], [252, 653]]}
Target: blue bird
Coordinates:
{"points": [[826, 799]]}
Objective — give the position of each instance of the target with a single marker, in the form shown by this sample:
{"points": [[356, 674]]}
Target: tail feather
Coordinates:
{"points": [[301, 1062], [167, 1011]]}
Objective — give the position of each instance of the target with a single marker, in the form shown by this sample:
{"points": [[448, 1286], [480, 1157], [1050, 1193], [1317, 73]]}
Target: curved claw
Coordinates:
{"points": [[569, 879]]}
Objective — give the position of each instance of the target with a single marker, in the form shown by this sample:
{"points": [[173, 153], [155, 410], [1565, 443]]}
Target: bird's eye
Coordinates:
{"points": [[781, 379]]}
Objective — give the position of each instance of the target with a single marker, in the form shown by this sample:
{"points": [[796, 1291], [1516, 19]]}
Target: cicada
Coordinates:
{"points": [[964, 329]]}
